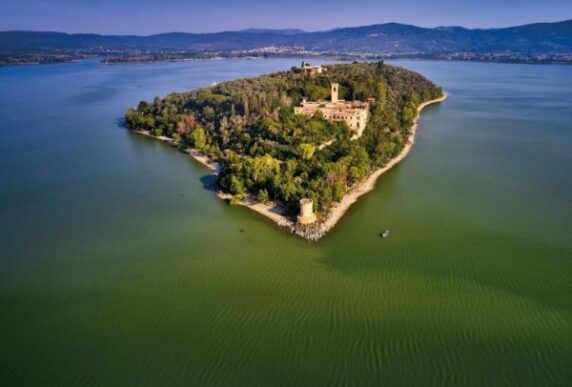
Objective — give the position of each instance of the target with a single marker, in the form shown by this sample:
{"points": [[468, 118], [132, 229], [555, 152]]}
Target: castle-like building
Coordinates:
{"points": [[310, 70], [354, 113]]}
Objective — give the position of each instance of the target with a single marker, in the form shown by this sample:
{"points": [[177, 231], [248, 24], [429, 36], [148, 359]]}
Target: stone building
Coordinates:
{"points": [[307, 215], [310, 70], [354, 113]]}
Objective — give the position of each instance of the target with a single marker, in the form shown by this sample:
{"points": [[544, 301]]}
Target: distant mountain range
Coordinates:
{"points": [[392, 38]]}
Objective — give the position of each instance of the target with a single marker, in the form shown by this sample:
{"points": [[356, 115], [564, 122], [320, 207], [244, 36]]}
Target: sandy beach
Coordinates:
{"points": [[278, 215]]}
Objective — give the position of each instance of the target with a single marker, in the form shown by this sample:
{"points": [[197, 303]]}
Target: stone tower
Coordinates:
{"points": [[335, 87], [307, 215]]}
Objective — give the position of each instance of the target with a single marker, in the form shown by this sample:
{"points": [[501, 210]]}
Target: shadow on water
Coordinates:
{"points": [[120, 122], [209, 182]]}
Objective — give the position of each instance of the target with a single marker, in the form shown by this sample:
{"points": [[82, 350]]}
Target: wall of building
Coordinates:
{"points": [[354, 114]]}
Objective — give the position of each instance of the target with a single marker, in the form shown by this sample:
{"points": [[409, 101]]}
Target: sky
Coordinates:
{"points": [[144, 17]]}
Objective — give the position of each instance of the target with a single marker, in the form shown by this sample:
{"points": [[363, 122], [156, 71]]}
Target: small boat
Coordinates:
{"points": [[384, 234]]}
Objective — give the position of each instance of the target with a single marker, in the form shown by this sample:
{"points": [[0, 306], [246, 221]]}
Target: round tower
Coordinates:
{"points": [[307, 215]]}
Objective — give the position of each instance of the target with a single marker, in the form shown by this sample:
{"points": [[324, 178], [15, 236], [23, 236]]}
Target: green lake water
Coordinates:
{"points": [[119, 267]]}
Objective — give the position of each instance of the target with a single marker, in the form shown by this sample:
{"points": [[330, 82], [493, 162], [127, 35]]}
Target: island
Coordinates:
{"points": [[297, 146]]}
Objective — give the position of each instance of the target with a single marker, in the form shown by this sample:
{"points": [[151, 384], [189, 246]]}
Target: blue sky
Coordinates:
{"points": [[154, 16]]}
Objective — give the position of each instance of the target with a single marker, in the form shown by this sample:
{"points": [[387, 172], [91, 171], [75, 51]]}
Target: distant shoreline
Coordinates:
{"points": [[313, 56], [278, 214]]}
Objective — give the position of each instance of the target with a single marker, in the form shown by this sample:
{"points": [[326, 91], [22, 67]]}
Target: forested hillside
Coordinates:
{"points": [[270, 153]]}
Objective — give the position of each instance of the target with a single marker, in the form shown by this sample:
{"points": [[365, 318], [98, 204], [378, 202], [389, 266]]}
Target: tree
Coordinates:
{"points": [[359, 164], [186, 123], [262, 196], [264, 168], [236, 186], [198, 138], [306, 151], [133, 118], [208, 113], [409, 112]]}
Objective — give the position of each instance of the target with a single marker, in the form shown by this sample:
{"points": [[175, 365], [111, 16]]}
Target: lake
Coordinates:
{"points": [[118, 265]]}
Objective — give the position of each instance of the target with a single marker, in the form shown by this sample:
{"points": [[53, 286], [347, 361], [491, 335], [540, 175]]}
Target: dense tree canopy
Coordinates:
{"points": [[270, 153]]}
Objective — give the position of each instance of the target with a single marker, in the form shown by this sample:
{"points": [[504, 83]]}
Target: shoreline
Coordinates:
{"points": [[338, 210], [277, 214], [315, 56]]}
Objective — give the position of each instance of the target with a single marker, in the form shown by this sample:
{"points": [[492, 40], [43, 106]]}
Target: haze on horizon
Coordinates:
{"points": [[144, 17]]}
